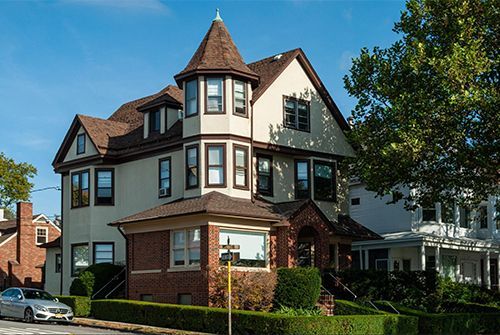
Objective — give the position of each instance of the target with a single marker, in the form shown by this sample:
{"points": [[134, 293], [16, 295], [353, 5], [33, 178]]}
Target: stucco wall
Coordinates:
{"points": [[52, 279], [90, 149]]}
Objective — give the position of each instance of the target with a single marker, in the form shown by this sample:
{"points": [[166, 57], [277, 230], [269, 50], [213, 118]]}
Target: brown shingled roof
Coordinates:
{"points": [[217, 52], [100, 131], [52, 244]]}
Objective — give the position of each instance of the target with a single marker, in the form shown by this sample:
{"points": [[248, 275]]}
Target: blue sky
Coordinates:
{"points": [[60, 58]]}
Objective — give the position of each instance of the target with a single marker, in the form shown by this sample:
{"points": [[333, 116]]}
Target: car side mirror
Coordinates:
{"points": [[18, 297], [56, 300]]}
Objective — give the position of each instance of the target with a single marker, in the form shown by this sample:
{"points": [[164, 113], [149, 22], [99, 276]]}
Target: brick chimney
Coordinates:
{"points": [[25, 230]]}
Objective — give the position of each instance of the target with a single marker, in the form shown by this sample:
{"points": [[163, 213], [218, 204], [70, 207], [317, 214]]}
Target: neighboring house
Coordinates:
{"points": [[249, 152], [460, 243], [53, 266], [21, 259]]}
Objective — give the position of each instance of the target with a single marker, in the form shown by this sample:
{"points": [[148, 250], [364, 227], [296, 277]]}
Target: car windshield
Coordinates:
{"points": [[40, 295]]}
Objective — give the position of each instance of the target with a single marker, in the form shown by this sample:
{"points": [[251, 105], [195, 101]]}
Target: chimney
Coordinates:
{"points": [[25, 227]]}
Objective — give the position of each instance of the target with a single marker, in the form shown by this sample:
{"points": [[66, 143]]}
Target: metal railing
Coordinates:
{"points": [[113, 290], [343, 286], [117, 276]]}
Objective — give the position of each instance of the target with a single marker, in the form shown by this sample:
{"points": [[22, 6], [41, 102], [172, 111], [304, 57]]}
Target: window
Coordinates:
{"points": [[407, 265], [164, 173], [430, 263], [192, 176], [265, 175], [185, 247], [296, 113], [449, 266], [79, 258], [184, 299], [447, 213], [382, 264], [216, 164], [429, 214], [42, 235], [104, 179], [80, 189], [465, 217], [80, 144], [240, 98], [154, 121], [302, 185], [240, 159], [483, 217], [104, 252], [355, 201], [58, 263], [146, 297], [215, 97], [324, 181], [252, 252], [191, 98]]}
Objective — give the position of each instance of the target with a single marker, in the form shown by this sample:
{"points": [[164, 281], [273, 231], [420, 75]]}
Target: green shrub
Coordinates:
{"points": [[299, 311], [297, 287], [214, 320], [344, 307], [467, 307], [83, 285], [461, 292], [79, 305], [93, 278]]}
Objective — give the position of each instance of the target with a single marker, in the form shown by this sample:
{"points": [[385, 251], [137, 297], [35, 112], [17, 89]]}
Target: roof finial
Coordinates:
{"points": [[217, 16]]}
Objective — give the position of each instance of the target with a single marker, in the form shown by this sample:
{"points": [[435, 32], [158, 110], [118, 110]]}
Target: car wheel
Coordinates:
{"points": [[28, 316]]}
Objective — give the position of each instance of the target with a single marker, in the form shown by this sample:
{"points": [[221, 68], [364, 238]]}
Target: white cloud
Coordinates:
{"points": [[345, 60], [147, 5]]}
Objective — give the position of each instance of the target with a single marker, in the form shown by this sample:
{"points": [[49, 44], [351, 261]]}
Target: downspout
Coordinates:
{"points": [[126, 259]]}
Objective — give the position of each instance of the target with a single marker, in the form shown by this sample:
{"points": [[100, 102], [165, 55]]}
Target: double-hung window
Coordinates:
{"points": [[154, 121], [80, 144], [215, 96], [465, 217], [185, 247], [302, 184], [104, 180], [103, 252], [483, 217], [265, 175], [191, 98], [296, 113], [429, 214], [240, 98], [165, 189], [80, 189], [192, 176], [240, 159], [79, 258], [216, 164], [42, 235], [324, 181]]}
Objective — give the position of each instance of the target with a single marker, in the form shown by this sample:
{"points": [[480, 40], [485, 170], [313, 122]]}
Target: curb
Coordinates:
{"points": [[130, 327]]}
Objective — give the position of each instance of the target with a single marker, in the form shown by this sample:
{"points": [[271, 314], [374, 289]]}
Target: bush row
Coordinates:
{"points": [[214, 320], [345, 307], [297, 287], [79, 305]]}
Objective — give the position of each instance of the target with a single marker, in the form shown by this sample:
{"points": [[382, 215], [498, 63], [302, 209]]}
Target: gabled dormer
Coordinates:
{"points": [[160, 115]]}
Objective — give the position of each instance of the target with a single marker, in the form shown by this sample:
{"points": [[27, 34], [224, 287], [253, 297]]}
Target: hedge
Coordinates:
{"points": [[79, 305], [453, 323], [214, 320], [297, 287], [345, 307]]}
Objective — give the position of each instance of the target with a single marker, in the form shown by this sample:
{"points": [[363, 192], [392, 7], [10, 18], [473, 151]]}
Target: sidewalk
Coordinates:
{"points": [[130, 327]]}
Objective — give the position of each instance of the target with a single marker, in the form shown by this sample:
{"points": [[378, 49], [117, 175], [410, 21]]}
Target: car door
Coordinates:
{"points": [[5, 302], [18, 304]]}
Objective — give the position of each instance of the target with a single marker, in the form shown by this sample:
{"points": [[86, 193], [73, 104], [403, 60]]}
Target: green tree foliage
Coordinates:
{"points": [[428, 114], [14, 181]]}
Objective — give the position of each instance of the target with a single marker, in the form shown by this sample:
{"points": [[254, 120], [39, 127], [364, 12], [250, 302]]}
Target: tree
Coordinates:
{"points": [[14, 181], [427, 117]]}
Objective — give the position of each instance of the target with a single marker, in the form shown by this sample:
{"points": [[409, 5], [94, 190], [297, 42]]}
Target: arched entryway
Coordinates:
{"points": [[307, 247]]}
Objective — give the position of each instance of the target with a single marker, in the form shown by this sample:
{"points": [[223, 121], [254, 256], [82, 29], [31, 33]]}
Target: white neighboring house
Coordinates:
{"points": [[460, 243]]}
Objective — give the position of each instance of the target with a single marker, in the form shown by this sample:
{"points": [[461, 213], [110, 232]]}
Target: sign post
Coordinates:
{"points": [[228, 257]]}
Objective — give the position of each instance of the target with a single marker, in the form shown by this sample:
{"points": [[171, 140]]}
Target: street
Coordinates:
{"points": [[8, 327]]}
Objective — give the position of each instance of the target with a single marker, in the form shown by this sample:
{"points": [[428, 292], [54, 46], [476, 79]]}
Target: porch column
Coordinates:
{"points": [[487, 278], [367, 264], [422, 257], [438, 259], [361, 267], [337, 265]]}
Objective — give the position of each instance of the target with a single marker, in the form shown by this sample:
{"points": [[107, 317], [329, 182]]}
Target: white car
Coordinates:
{"points": [[33, 305]]}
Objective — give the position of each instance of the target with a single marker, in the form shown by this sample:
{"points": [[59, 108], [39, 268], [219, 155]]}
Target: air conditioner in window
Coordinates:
{"points": [[163, 192]]}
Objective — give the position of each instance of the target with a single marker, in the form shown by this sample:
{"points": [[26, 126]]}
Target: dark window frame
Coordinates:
{"points": [[270, 191], [73, 246], [94, 244], [297, 101], [223, 166], [223, 97], [429, 209], [169, 190], [150, 121], [246, 151], [355, 201], [245, 91], [483, 220], [333, 165], [96, 182], [187, 148], [80, 189], [58, 263], [186, 115], [78, 137], [307, 195]]}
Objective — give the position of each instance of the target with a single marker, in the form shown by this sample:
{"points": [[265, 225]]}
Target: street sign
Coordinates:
{"points": [[226, 257], [229, 246]]}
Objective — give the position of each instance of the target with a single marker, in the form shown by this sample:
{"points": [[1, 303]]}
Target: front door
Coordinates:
{"points": [[304, 257]]}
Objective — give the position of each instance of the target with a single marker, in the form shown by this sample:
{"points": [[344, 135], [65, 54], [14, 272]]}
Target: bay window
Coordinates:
{"points": [[302, 185], [324, 181], [240, 98], [216, 164], [253, 247], [185, 247], [191, 98], [192, 177], [80, 189], [104, 194], [215, 96], [240, 160]]}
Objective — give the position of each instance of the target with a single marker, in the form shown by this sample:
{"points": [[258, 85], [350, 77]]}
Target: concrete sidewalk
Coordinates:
{"points": [[130, 327]]}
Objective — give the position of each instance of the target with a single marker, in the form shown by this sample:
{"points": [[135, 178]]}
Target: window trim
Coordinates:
{"points": [[186, 264], [430, 209], [245, 85], [224, 165], [296, 178], [94, 244], [82, 135], [223, 91], [270, 192], [245, 149], [169, 190], [150, 121], [56, 269], [73, 274], [46, 234], [355, 201], [197, 98], [186, 167], [267, 246], [96, 185], [79, 173], [334, 179], [297, 100]]}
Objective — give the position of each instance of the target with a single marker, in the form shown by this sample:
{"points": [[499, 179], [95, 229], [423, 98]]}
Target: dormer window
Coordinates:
{"points": [[240, 98], [191, 98], [215, 95], [154, 121], [80, 144]]}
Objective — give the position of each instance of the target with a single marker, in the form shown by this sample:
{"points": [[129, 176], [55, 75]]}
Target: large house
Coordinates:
{"points": [[461, 243], [21, 259], [246, 153]]}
